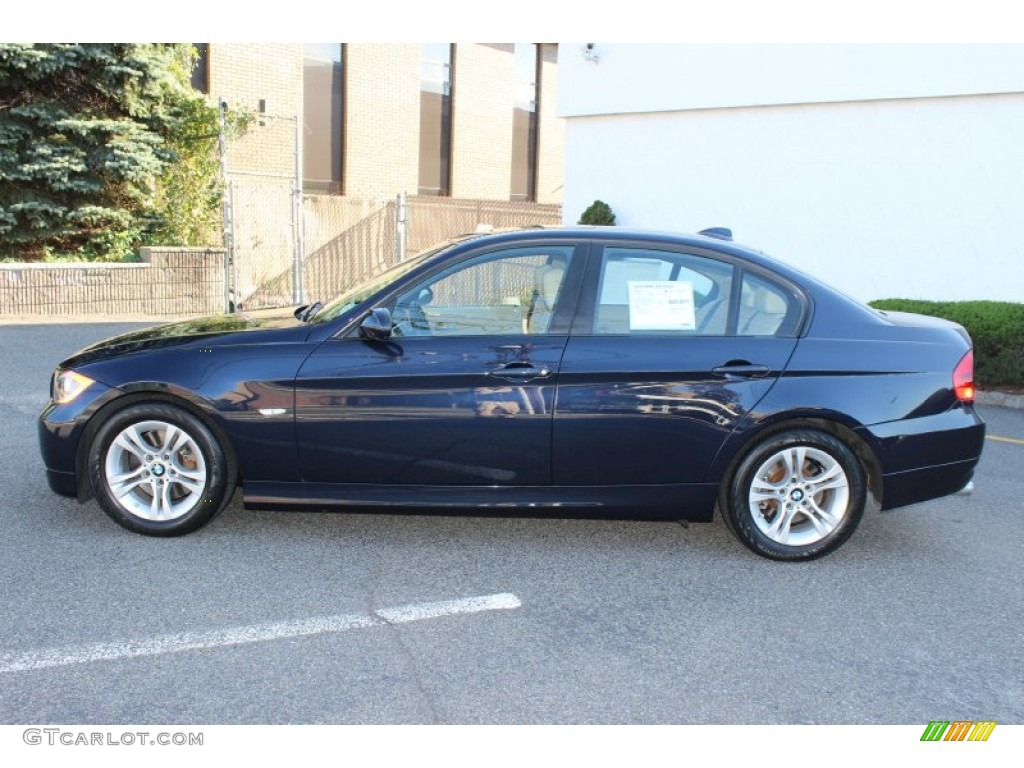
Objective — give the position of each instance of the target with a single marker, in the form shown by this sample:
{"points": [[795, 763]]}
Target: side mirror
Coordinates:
{"points": [[376, 326]]}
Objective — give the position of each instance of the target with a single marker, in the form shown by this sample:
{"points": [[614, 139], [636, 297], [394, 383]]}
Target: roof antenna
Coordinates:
{"points": [[719, 233]]}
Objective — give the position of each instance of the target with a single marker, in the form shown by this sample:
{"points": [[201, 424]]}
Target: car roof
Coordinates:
{"points": [[845, 309], [612, 233]]}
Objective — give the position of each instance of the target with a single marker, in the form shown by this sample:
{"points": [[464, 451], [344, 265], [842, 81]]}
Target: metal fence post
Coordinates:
{"points": [[226, 201], [401, 227], [231, 252], [227, 283], [298, 255]]}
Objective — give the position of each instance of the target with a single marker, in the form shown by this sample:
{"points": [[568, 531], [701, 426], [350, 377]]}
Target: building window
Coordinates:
{"points": [[323, 100], [435, 119], [201, 68], [524, 122]]}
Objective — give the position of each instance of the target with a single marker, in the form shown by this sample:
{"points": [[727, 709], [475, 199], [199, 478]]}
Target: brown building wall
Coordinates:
{"points": [[482, 121], [381, 116], [551, 141], [382, 126], [243, 74]]}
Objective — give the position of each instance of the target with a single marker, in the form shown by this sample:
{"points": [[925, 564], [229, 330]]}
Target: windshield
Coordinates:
{"points": [[355, 296]]}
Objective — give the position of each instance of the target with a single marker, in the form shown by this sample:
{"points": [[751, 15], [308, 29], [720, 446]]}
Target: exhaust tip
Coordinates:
{"points": [[967, 490]]}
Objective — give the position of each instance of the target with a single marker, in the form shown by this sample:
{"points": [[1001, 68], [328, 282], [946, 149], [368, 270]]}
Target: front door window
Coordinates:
{"points": [[510, 292]]}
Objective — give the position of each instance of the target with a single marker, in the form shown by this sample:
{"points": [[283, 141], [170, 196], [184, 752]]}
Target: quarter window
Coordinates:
{"points": [[645, 291], [764, 307], [506, 293]]}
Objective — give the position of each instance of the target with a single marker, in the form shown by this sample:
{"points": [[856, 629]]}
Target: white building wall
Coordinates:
{"points": [[910, 197], [658, 78]]}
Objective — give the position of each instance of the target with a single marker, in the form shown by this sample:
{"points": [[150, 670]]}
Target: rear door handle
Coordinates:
{"points": [[742, 370], [519, 372]]}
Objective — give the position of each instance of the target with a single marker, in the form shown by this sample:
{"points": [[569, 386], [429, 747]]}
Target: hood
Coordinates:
{"points": [[214, 330]]}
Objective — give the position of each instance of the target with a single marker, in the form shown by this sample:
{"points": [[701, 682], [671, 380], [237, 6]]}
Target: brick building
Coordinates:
{"points": [[449, 120]]}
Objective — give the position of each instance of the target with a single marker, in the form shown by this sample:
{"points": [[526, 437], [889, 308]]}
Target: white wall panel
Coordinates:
{"points": [[656, 78], [917, 198]]}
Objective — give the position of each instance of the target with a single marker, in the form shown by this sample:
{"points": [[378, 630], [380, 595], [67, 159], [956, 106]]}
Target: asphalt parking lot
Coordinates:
{"points": [[371, 618]]}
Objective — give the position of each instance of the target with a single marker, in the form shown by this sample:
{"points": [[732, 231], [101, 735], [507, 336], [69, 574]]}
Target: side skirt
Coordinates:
{"points": [[694, 502]]}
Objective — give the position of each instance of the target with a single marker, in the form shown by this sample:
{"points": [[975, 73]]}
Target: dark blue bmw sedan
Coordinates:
{"points": [[582, 372]]}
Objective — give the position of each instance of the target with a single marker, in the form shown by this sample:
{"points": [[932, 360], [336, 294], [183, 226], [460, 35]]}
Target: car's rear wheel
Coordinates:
{"points": [[158, 470], [795, 495]]}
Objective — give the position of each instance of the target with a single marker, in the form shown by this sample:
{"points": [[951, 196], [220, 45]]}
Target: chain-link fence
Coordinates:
{"points": [[263, 242], [434, 219], [347, 240], [286, 247], [344, 240], [262, 198]]}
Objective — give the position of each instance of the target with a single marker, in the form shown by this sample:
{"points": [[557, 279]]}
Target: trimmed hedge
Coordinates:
{"points": [[996, 327]]}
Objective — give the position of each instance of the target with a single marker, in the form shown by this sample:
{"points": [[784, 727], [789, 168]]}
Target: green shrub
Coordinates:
{"points": [[996, 327], [599, 214]]}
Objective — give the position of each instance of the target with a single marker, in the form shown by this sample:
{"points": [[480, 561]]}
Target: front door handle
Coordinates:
{"points": [[742, 369], [520, 372]]}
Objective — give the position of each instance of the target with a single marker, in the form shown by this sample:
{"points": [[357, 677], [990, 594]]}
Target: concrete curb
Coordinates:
{"points": [[1000, 400]]}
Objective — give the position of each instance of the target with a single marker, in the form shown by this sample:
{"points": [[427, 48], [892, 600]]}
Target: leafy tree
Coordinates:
{"points": [[188, 192], [97, 142]]}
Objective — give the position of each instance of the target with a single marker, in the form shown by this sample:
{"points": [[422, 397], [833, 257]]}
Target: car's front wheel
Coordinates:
{"points": [[795, 495], [158, 470]]}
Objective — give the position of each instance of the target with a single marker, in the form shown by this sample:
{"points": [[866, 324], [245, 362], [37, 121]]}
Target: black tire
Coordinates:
{"points": [[787, 515], [167, 492]]}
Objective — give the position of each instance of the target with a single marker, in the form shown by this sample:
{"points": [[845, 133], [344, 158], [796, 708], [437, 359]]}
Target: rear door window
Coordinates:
{"points": [[648, 291]]}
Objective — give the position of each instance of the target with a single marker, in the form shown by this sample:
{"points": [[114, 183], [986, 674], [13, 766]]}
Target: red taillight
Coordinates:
{"points": [[963, 378]]}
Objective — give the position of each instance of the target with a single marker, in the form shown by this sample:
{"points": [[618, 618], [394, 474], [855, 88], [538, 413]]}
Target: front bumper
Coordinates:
{"points": [[60, 428], [64, 483]]}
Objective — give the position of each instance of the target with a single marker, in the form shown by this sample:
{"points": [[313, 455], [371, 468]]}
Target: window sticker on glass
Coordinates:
{"points": [[661, 305]]}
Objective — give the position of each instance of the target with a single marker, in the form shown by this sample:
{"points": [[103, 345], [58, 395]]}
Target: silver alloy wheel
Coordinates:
{"points": [[799, 495], [155, 470]]}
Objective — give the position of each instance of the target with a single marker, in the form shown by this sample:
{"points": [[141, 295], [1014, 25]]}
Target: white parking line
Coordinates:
{"points": [[253, 633], [1005, 439]]}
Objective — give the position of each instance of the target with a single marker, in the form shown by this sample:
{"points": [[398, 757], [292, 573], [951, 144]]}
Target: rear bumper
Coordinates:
{"points": [[919, 485], [928, 457]]}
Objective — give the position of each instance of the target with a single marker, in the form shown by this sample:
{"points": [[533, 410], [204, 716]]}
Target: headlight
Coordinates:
{"points": [[67, 385]]}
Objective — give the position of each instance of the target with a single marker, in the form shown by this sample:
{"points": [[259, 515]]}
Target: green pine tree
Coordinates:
{"points": [[90, 137]]}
